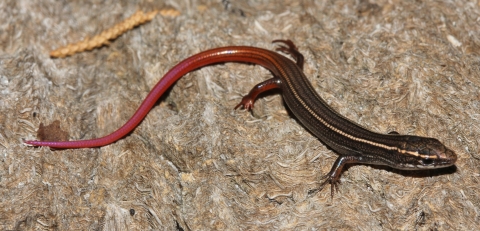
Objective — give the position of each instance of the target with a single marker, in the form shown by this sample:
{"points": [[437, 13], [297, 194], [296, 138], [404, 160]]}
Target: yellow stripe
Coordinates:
{"points": [[348, 135]]}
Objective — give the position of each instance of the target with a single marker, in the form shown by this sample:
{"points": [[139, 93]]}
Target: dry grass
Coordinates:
{"points": [[106, 36]]}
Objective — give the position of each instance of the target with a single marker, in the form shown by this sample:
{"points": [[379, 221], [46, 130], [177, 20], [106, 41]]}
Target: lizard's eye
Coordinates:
{"points": [[427, 161]]}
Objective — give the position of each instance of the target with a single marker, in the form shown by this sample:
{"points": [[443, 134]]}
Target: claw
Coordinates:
{"points": [[333, 180], [289, 48], [246, 103]]}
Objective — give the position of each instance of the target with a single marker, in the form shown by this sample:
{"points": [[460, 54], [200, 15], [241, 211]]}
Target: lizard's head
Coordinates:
{"points": [[426, 153]]}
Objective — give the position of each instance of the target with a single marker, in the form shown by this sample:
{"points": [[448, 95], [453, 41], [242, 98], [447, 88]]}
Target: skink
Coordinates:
{"points": [[354, 143]]}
